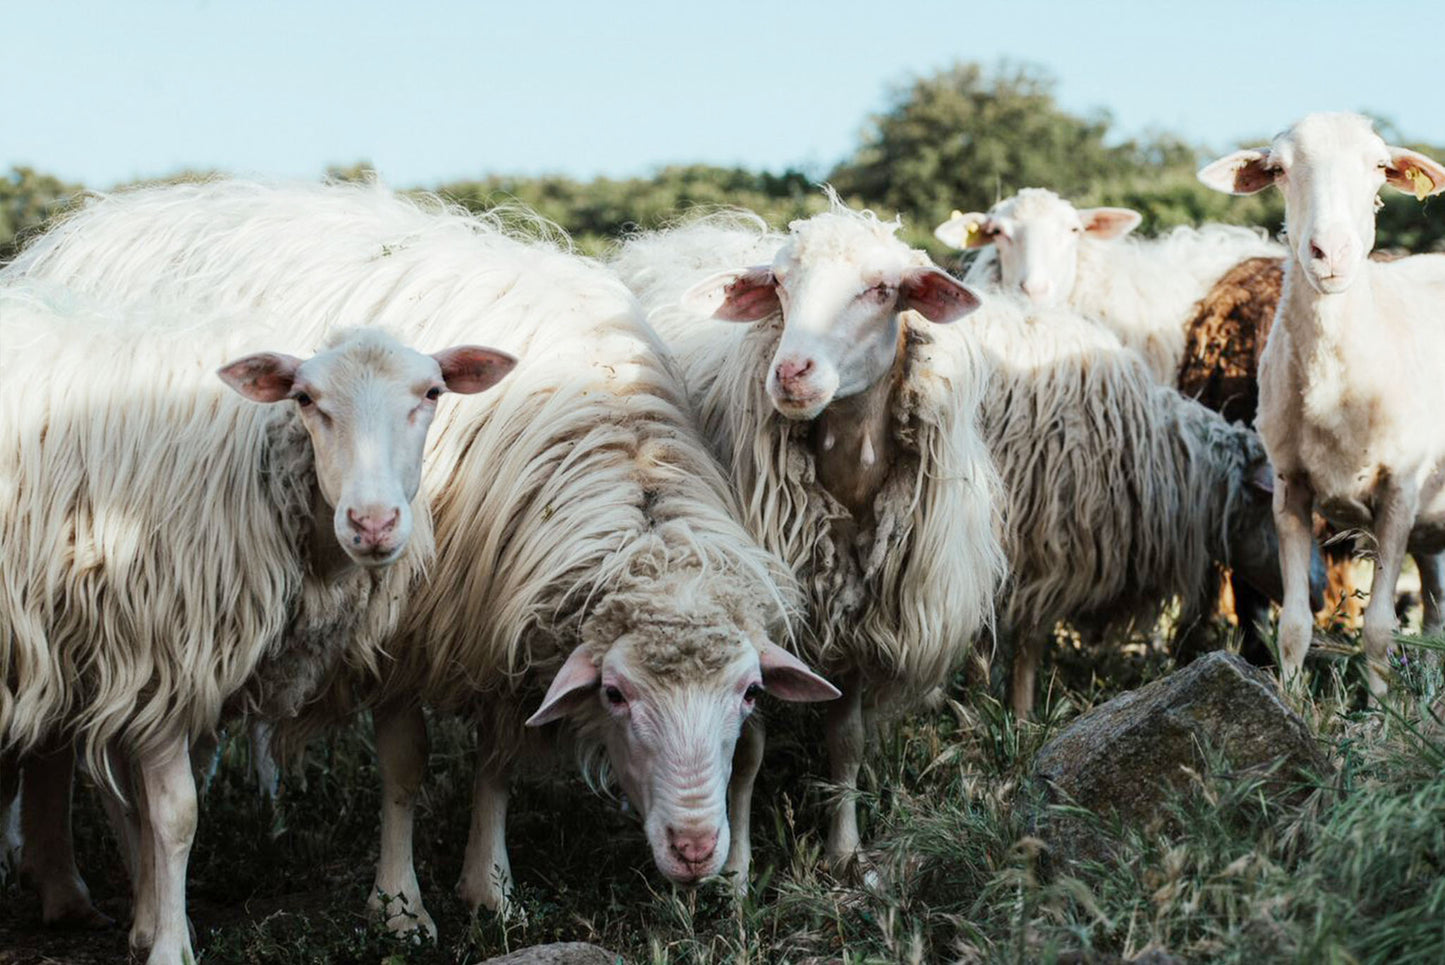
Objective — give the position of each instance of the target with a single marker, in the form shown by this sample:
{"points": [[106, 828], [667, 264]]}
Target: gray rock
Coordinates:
{"points": [[1127, 756], [560, 953]]}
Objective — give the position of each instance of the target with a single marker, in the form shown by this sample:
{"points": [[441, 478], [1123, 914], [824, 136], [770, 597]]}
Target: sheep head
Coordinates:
{"points": [[840, 283], [1331, 168], [668, 699], [1036, 235], [367, 402]]}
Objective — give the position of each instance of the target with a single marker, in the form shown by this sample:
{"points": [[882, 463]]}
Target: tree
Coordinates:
{"points": [[27, 200]]}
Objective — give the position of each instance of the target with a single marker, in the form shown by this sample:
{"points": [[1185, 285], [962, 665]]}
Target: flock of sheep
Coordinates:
{"points": [[726, 462]]}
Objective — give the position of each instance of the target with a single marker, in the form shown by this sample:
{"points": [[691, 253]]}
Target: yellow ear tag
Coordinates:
{"points": [[975, 232], [1422, 182]]}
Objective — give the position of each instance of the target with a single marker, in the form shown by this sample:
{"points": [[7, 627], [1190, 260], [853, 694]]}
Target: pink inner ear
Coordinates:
{"points": [[263, 377], [788, 678], [1109, 223], [1243, 172], [1403, 161], [936, 295], [471, 368], [751, 297], [573, 684]]}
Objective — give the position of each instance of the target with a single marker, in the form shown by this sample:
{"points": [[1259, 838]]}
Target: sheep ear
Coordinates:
{"points": [[936, 295], [1414, 172], [471, 368], [964, 231], [745, 295], [574, 683], [1243, 172], [263, 377], [1106, 224], [788, 678], [1261, 476]]}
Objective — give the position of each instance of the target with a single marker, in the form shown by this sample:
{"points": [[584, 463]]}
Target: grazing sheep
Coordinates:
{"points": [[1143, 291], [173, 549], [844, 410], [1350, 380], [587, 552], [1122, 495]]}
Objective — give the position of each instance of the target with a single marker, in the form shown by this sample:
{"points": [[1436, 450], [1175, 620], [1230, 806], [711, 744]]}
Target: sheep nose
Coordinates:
{"points": [[1331, 253], [373, 525], [792, 371], [692, 847], [1036, 289]]}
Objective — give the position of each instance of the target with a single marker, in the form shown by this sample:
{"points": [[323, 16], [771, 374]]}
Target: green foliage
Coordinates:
{"points": [[596, 213], [27, 199]]}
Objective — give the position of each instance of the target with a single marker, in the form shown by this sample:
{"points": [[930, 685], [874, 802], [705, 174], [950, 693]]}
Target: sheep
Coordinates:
{"points": [[1143, 291], [1349, 383], [589, 565], [1122, 494], [845, 413], [1226, 337], [172, 547]]}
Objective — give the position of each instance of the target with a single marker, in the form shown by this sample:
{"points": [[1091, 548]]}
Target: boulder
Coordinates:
{"points": [[1126, 757], [559, 953]]}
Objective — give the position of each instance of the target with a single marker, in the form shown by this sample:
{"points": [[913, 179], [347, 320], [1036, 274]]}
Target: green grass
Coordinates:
{"points": [[1352, 870]]}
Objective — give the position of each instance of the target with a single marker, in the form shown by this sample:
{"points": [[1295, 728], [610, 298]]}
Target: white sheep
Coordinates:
{"points": [[173, 548], [1122, 494], [1143, 291], [844, 409], [588, 555], [1351, 387]]}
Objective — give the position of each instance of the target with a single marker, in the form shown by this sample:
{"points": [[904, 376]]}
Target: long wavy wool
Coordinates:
{"points": [[155, 532], [1144, 289], [900, 604], [576, 485], [1120, 491]]}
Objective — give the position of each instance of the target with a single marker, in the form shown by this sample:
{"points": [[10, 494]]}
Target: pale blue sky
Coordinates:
{"points": [[431, 91]]}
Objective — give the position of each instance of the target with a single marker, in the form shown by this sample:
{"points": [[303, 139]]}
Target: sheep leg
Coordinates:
{"points": [[1293, 502], [401, 749], [48, 849], [1394, 516], [747, 760], [10, 840], [124, 816], [1432, 591], [486, 880], [263, 761], [169, 822], [1251, 607], [1027, 656], [846, 738]]}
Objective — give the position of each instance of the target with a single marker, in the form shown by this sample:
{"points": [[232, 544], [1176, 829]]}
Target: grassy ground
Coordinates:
{"points": [[1352, 872]]}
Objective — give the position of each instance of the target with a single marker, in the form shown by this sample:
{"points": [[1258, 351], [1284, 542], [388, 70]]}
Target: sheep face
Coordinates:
{"points": [[1036, 235], [840, 283], [367, 402], [669, 712], [1331, 168]]}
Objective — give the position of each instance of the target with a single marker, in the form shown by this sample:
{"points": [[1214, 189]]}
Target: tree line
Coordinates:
{"points": [[960, 138]]}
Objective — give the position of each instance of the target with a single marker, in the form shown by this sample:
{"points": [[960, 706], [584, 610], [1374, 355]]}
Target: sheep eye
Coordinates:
{"points": [[433, 393], [614, 697], [752, 693], [302, 399]]}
